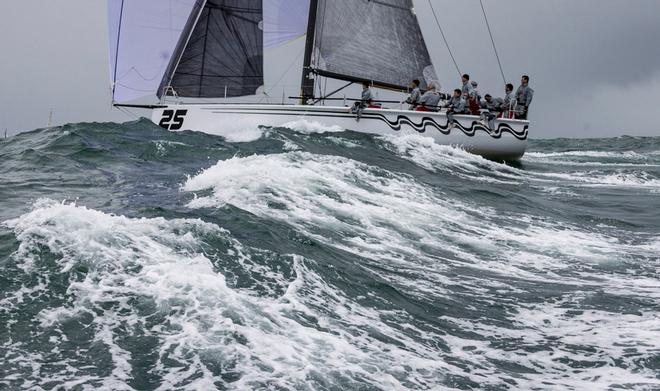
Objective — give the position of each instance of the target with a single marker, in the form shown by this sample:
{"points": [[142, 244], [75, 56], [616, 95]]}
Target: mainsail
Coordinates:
{"points": [[370, 40]]}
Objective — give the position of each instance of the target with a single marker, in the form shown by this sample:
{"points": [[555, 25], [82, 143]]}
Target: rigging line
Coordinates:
{"points": [[114, 77], [444, 38], [492, 40]]}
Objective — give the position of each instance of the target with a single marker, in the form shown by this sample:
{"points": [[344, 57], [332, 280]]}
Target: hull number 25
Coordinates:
{"points": [[172, 119]]}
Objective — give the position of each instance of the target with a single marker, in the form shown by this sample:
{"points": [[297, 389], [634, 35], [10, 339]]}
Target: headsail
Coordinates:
{"points": [[220, 53], [284, 21], [185, 43], [373, 40], [142, 34]]}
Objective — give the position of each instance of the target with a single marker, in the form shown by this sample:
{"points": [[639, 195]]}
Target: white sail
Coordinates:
{"points": [[143, 35], [284, 21]]}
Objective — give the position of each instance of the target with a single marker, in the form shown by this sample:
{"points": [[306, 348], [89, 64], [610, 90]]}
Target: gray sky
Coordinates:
{"points": [[594, 64]]}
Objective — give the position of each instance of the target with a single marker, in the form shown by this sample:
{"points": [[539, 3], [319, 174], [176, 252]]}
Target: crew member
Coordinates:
{"points": [[489, 109], [467, 87], [367, 96], [491, 104], [429, 101], [366, 100], [455, 105], [524, 96], [509, 101], [474, 98], [415, 95]]}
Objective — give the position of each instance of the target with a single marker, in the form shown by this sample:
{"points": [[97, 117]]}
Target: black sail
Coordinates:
{"points": [[371, 40], [220, 52]]}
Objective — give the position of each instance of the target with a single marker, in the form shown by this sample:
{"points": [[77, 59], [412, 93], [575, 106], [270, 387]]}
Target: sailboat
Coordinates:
{"points": [[204, 63]]}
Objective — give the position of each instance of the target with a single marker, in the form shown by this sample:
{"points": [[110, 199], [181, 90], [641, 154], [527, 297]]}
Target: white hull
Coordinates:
{"points": [[506, 140]]}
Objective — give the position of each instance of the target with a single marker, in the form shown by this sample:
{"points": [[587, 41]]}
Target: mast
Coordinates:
{"points": [[307, 82]]}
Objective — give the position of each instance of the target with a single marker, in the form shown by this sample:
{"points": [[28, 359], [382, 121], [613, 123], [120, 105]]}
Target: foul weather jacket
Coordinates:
{"points": [[467, 88], [524, 95], [367, 96], [414, 97], [430, 100], [456, 104]]}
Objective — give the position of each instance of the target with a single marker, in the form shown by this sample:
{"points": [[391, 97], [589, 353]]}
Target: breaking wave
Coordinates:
{"points": [[311, 258]]}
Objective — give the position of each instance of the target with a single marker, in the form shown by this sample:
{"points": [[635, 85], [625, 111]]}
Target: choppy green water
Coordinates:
{"points": [[134, 258]]}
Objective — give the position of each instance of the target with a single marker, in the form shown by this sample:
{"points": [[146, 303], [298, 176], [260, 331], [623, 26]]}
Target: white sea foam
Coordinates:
{"points": [[426, 153], [290, 146], [309, 126], [355, 200], [245, 135], [343, 142], [626, 155], [597, 178], [385, 216], [552, 338], [430, 155], [208, 324], [401, 229]]}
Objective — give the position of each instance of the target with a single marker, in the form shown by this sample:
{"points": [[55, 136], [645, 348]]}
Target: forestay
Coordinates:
{"points": [[371, 40]]}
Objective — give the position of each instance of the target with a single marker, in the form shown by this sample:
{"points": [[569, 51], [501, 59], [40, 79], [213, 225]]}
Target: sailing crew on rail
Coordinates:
{"points": [[490, 109], [509, 101], [455, 105], [491, 104], [367, 95], [431, 98], [524, 96], [415, 95], [467, 87], [474, 99], [366, 100]]}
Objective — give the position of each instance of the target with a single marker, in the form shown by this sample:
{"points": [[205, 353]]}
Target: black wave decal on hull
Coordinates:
{"points": [[446, 130], [403, 120]]}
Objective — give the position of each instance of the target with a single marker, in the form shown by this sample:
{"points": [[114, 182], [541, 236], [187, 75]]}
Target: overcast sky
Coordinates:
{"points": [[594, 64]]}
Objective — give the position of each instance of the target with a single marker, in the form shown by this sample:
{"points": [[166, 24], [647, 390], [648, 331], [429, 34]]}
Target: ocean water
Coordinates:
{"points": [[309, 258]]}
